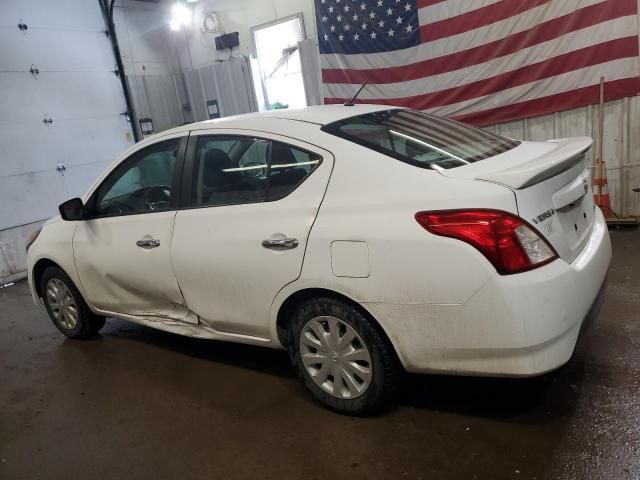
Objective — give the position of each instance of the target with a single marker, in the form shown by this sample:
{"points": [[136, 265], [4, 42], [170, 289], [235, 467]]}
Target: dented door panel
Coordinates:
{"points": [[120, 276]]}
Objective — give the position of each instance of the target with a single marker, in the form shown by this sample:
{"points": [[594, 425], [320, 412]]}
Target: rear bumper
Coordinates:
{"points": [[517, 325]]}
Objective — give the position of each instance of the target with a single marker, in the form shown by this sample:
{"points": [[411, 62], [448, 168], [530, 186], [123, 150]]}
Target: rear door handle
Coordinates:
{"points": [[280, 243], [148, 243]]}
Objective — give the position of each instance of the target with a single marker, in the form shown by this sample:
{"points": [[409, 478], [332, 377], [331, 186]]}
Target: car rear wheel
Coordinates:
{"points": [[66, 307], [342, 357]]}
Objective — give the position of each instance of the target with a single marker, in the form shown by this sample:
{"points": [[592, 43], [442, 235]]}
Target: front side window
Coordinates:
{"points": [[141, 184], [422, 140], [236, 170]]}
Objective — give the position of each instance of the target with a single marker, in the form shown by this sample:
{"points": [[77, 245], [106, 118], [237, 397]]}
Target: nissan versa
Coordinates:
{"points": [[362, 239]]}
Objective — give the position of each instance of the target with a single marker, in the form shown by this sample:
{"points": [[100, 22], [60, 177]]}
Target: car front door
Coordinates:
{"points": [[241, 237], [122, 251]]}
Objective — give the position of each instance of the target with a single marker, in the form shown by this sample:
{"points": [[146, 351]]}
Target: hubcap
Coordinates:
{"points": [[335, 357], [63, 306]]}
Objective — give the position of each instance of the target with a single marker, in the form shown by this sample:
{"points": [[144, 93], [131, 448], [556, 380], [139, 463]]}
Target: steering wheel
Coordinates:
{"points": [[155, 197]]}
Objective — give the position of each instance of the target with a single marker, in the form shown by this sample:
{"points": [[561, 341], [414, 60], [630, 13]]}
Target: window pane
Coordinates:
{"points": [[289, 167], [420, 139], [142, 183], [229, 170]]}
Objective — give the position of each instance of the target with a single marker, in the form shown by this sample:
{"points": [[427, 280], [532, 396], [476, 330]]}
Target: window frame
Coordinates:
{"points": [[190, 160], [125, 165]]}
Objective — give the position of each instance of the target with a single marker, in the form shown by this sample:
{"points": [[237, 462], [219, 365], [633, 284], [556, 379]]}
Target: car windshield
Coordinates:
{"points": [[422, 140]]}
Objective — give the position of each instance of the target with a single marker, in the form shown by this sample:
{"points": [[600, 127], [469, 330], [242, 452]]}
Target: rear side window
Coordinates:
{"points": [[237, 170], [289, 166], [422, 140]]}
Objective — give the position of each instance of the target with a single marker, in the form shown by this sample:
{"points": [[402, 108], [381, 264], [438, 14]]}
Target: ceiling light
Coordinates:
{"points": [[180, 16]]}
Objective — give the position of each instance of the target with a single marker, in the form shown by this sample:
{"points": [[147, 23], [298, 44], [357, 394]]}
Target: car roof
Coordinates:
{"points": [[319, 115]]}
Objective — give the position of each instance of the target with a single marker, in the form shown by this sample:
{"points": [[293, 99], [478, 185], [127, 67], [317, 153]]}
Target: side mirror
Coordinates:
{"points": [[72, 210]]}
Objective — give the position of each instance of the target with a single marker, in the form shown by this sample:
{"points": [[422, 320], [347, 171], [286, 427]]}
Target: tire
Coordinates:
{"points": [[66, 307], [359, 347]]}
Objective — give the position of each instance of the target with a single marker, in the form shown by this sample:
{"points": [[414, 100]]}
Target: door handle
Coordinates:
{"points": [[148, 243], [280, 243]]}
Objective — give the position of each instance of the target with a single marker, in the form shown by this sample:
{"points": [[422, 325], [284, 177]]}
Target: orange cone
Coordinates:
{"points": [[601, 190]]}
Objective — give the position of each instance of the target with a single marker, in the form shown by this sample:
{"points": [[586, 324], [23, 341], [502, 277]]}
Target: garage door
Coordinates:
{"points": [[61, 106]]}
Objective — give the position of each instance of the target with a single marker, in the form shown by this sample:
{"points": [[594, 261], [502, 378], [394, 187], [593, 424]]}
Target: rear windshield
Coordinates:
{"points": [[420, 139]]}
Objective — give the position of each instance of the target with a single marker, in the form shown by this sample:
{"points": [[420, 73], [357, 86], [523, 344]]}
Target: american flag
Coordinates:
{"points": [[482, 61]]}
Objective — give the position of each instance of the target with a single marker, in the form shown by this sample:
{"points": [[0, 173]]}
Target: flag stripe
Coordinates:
{"points": [[467, 40], [599, 53], [577, 98], [444, 10], [553, 29], [477, 19], [428, 3], [615, 70]]}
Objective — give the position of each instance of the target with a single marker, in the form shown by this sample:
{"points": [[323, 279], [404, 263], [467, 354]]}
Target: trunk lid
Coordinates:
{"points": [[552, 186]]}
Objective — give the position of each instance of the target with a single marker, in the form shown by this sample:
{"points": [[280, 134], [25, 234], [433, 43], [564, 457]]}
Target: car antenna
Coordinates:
{"points": [[350, 103]]}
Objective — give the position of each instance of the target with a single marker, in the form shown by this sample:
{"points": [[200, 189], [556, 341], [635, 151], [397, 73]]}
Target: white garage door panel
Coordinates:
{"points": [[60, 95], [29, 198], [76, 88], [59, 14], [65, 51], [33, 147], [36, 196]]}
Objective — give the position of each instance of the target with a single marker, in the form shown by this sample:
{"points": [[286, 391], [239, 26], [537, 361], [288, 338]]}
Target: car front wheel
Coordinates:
{"points": [[342, 357], [66, 307]]}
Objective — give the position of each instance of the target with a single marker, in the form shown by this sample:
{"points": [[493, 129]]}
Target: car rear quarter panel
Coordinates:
{"points": [[373, 198]]}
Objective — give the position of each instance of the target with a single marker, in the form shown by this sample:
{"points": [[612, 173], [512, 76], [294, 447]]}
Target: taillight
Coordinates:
{"points": [[508, 242]]}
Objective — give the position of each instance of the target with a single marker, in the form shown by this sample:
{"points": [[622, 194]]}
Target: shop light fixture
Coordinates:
{"points": [[180, 16]]}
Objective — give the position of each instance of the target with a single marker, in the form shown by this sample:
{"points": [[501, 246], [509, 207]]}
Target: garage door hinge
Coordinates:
{"points": [[34, 71], [23, 27], [47, 120]]}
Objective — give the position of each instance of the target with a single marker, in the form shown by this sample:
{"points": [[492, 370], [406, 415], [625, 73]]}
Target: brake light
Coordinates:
{"points": [[507, 241]]}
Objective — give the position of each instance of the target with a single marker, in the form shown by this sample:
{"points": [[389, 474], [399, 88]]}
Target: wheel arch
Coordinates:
{"points": [[298, 297], [38, 269]]}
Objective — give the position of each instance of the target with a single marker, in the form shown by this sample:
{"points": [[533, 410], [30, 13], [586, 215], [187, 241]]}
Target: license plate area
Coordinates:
{"points": [[576, 220]]}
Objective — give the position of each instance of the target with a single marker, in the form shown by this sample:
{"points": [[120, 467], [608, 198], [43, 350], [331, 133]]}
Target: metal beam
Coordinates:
{"points": [[107, 14]]}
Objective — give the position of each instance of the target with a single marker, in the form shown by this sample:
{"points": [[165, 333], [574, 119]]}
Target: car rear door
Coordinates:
{"points": [[122, 251], [249, 204]]}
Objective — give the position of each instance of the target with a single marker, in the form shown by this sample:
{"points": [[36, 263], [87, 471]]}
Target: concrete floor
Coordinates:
{"points": [[137, 403]]}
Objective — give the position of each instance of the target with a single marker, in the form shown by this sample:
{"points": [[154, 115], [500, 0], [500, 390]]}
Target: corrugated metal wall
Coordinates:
{"points": [[621, 143], [156, 97], [228, 82], [149, 57]]}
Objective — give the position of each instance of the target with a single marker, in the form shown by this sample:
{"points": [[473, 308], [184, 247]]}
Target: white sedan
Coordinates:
{"points": [[362, 239]]}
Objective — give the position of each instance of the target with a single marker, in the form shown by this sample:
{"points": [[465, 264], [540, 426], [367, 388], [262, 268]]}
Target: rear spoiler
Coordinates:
{"points": [[568, 153]]}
